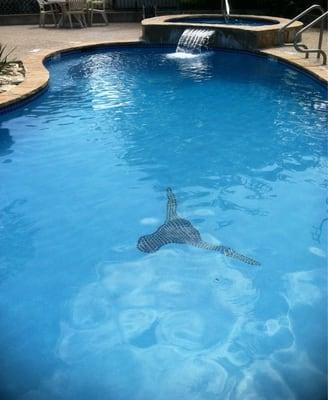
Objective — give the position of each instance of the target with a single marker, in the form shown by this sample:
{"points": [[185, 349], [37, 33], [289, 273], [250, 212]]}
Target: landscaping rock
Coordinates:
{"points": [[12, 75]]}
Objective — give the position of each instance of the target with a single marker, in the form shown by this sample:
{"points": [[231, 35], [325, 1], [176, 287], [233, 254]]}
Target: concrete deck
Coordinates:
{"points": [[28, 38], [33, 45]]}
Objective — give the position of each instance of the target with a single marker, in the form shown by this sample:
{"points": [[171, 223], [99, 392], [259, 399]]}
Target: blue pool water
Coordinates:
{"points": [[84, 168], [229, 21]]}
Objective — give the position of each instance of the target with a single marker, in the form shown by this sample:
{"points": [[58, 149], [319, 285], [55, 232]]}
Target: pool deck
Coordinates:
{"points": [[33, 45]]}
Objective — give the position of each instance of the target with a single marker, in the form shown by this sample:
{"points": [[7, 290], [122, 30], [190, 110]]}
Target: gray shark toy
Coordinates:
{"points": [[179, 230]]}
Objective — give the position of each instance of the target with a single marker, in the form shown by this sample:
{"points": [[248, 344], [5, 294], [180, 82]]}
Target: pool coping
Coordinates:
{"points": [[37, 75]]}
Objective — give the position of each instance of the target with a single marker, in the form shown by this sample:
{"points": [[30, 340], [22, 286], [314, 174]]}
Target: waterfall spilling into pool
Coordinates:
{"points": [[194, 41]]}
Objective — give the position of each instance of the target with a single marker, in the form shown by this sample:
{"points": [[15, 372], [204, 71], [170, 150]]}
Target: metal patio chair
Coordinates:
{"points": [[97, 7], [46, 9]]}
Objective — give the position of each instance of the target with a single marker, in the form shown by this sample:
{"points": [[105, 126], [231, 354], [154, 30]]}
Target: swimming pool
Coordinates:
{"points": [[240, 139]]}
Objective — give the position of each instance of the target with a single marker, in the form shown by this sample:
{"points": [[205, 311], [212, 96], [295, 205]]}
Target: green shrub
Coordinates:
{"points": [[4, 56]]}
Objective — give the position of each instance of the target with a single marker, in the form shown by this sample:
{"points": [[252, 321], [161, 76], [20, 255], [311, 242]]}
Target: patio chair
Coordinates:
{"points": [[97, 7], [46, 9], [76, 9]]}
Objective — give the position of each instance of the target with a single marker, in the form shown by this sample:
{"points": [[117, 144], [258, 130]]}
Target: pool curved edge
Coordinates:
{"points": [[37, 75]]}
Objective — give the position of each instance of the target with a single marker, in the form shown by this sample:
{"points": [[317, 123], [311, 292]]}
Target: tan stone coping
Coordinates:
{"points": [[37, 76], [170, 20], [309, 65]]}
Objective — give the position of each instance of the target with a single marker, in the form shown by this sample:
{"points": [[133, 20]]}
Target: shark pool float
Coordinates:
{"points": [[179, 230]]}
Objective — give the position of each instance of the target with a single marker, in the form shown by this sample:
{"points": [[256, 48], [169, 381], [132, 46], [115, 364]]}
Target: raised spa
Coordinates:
{"points": [[247, 32]]}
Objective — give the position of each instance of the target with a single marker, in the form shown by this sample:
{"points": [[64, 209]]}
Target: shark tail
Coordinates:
{"points": [[227, 251]]}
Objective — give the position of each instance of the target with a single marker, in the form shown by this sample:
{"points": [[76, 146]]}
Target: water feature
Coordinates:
{"points": [[194, 41], [237, 31]]}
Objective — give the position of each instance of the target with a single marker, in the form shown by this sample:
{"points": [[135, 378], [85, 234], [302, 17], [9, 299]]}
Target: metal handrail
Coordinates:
{"points": [[319, 50], [225, 9], [281, 30]]}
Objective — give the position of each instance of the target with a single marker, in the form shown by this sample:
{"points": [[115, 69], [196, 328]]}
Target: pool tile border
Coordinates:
{"points": [[37, 75]]}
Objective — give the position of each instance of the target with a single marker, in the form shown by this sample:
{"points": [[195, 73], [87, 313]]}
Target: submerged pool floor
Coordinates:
{"points": [[84, 168]]}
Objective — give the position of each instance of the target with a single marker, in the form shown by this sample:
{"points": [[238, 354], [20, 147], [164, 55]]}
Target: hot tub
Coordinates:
{"points": [[248, 32]]}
